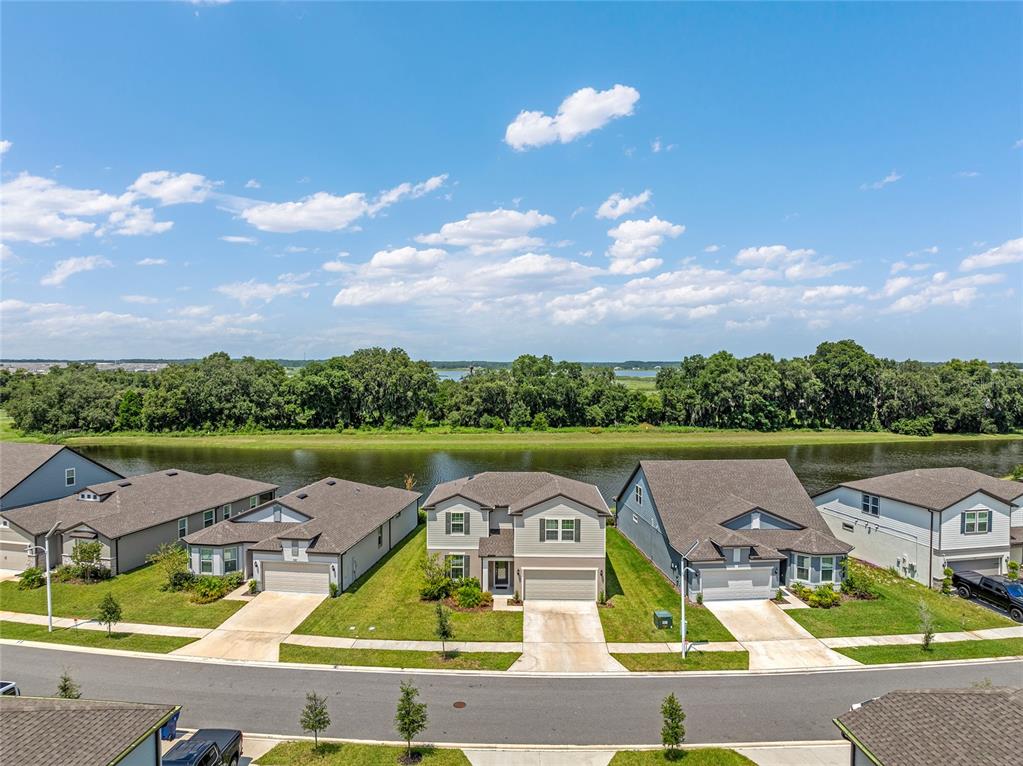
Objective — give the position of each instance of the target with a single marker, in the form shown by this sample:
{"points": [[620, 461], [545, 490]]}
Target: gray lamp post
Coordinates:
{"points": [[45, 548], [683, 569]]}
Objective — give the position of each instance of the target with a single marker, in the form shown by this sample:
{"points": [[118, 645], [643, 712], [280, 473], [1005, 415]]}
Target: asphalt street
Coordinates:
{"points": [[498, 709]]}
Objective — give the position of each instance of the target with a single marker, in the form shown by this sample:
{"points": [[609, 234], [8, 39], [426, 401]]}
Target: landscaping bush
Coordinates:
{"points": [[335, 590], [824, 596], [33, 577], [172, 559], [923, 426], [470, 596], [802, 592], [209, 588], [253, 587], [946, 580], [86, 573], [436, 583], [65, 573], [179, 581], [466, 582], [85, 557], [859, 581]]}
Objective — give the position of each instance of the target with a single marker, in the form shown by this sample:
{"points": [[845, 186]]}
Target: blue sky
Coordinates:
{"points": [[480, 181]]}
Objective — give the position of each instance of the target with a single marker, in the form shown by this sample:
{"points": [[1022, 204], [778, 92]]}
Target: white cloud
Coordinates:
{"points": [[494, 231], [140, 299], [193, 311], [711, 248], [1008, 252], [395, 291], [900, 266], [792, 264], [896, 285], [286, 284], [582, 112], [252, 183], [1018, 144], [135, 221], [292, 249], [173, 188], [831, 293], [71, 266], [238, 240], [152, 262], [337, 266], [635, 239], [942, 291], [330, 212], [402, 258], [967, 174], [932, 250], [888, 179], [617, 205], [5, 146], [534, 265], [6, 254]]}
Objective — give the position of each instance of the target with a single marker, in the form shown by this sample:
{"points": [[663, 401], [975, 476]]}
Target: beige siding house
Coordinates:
{"points": [[533, 533]]}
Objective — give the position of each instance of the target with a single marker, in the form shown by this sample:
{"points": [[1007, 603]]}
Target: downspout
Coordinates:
{"points": [[930, 557]]}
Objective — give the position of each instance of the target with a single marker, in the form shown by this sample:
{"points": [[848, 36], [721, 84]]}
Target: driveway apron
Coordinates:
{"points": [[563, 637], [773, 639], [255, 631]]}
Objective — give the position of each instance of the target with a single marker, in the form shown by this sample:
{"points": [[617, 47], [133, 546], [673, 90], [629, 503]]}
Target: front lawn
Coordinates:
{"points": [[635, 588], [384, 603], [953, 650], [336, 754], [709, 756], [394, 658], [672, 661], [130, 642], [138, 593], [897, 610]]}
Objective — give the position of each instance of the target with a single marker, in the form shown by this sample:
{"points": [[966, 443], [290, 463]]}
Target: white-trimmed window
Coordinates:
{"points": [[294, 549], [230, 560], [182, 527], [209, 518], [827, 568], [253, 501], [550, 529], [277, 513], [976, 522], [69, 477], [639, 494], [456, 567], [457, 523], [803, 568], [205, 561], [226, 510], [568, 530], [870, 504], [380, 536]]}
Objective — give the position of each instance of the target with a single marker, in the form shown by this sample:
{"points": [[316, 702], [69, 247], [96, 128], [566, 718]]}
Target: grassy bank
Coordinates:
{"points": [[132, 642], [337, 754], [710, 756], [953, 650], [394, 658], [695, 660]]}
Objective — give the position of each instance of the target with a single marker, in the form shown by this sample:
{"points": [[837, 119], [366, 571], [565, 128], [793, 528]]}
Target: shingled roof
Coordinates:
{"points": [[40, 732], [956, 727], [517, 491], [937, 488], [19, 460], [694, 499]]}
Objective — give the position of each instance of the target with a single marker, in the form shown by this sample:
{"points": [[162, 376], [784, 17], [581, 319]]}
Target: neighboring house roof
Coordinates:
{"points": [[138, 502], [19, 460], [938, 488], [694, 498], [500, 543], [958, 727], [517, 491], [340, 513], [39, 732]]}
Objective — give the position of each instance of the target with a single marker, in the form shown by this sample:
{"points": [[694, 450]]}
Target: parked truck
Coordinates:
{"points": [[996, 590], [207, 747]]}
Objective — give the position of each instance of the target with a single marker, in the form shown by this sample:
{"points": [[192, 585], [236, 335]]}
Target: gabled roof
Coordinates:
{"points": [[40, 732], [517, 491], [958, 727], [938, 488], [19, 460], [694, 498]]}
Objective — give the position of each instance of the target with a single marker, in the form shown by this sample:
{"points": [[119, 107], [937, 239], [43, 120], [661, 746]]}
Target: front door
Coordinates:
{"points": [[783, 565], [500, 574]]}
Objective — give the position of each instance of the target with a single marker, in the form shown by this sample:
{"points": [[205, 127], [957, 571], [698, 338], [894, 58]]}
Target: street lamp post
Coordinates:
{"points": [[49, 593], [683, 569]]}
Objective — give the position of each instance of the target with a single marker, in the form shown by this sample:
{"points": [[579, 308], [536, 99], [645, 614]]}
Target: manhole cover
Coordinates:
{"points": [[459, 705]]}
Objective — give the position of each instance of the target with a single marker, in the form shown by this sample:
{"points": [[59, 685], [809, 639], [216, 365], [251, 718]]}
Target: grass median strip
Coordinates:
{"points": [[660, 662], [337, 754], [953, 650], [710, 756], [396, 658], [130, 642]]}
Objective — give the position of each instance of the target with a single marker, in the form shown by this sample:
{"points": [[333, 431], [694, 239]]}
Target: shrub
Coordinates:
{"points": [[1017, 472], [699, 598], [466, 582], [602, 598], [335, 590], [420, 421], [65, 573], [540, 422], [926, 626], [468, 597], [801, 591], [492, 422], [824, 596], [436, 583], [946, 580], [1013, 574], [85, 556], [253, 587], [172, 559], [209, 588], [859, 581], [33, 577], [181, 581], [923, 426]]}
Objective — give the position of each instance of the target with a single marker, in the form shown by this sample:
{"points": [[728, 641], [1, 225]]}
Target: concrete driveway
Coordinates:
{"points": [[255, 631], [773, 639], [563, 637], [9, 574]]}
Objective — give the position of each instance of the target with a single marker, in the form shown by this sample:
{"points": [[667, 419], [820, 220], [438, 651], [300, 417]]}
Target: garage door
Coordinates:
{"points": [[724, 584], [13, 556], [296, 578], [580, 584], [980, 566]]}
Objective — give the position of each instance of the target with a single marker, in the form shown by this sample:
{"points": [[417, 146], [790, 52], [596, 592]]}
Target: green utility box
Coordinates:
{"points": [[662, 619]]}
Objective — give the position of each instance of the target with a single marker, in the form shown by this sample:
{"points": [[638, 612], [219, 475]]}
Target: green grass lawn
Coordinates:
{"points": [[897, 611], [393, 658], [138, 592], [635, 589], [387, 598], [953, 650], [132, 642], [656, 662], [710, 756], [336, 754]]}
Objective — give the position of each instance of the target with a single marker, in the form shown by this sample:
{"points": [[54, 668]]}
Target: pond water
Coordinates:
{"points": [[818, 466]]}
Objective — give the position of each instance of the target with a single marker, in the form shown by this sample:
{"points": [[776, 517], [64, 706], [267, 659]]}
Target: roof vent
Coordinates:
{"points": [[331, 482], [172, 473], [124, 484], [302, 495]]}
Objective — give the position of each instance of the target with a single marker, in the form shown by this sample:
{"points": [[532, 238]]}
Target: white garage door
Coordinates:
{"points": [[296, 578], [980, 566], [579, 584], [13, 556], [724, 584]]}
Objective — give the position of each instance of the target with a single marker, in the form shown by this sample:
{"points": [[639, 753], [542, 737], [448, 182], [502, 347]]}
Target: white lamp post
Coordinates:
{"points": [[49, 594], [683, 569]]}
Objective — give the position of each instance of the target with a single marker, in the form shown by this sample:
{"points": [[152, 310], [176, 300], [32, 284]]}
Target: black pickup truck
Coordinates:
{"points": [[995, 589], [207, 747]]}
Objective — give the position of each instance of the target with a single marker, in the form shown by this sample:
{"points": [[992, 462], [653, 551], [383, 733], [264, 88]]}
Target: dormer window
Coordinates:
{"points": [[294, 549], [90, 496], [277, 513]]}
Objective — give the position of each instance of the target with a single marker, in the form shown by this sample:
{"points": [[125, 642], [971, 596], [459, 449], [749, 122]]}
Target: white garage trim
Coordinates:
{"points": [[554, 583], [288, 577], [986, 565], [734, 583]]}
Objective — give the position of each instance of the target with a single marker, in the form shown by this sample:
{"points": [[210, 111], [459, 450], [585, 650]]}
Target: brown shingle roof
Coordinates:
{"points": [[227, 533], [956, 727], [19, 460], [517, 490], [500, 543], [41, 732], [937, 488]]}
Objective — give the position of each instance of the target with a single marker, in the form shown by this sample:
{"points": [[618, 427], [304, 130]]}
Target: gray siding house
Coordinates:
{"points": [[754, 525], [532, 533], [328, 533]]}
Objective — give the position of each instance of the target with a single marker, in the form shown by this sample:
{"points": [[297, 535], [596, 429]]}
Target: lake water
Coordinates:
{"points": [[818, 466]]}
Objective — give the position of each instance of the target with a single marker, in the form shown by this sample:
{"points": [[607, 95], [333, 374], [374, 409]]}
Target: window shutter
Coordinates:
{"points": [[962, 523], [465, 566], [543, 529], [465, 524], [989, 514], [447, 522], [577, 529]]}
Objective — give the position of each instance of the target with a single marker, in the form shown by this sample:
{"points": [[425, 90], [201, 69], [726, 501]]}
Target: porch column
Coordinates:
{"points": [[484, 571]]}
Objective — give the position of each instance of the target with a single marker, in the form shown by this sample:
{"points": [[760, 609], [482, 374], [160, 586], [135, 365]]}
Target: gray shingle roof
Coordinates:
{"points": [[956, 727], [937, 488], [145, 501], [227, 533], [42, 732], [341, 513], [517, 490], [19, 460], [500, 543], [695, 497]]}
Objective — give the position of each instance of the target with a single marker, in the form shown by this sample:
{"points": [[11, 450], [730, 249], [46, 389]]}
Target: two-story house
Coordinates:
{"points": [[753, 525], [528, 532], [923, 520]]}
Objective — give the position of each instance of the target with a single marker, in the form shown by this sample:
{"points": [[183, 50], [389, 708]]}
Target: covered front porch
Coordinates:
{"points": [[498, 576]]}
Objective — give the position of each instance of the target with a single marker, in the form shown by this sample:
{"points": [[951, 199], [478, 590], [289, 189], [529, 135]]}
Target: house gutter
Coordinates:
{"points": [[852, 738], [152, 730]]}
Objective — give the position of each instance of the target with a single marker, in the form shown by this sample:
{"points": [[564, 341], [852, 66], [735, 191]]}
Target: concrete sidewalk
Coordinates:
{"points": [[119, 627], [986, 634], [339, 642]]}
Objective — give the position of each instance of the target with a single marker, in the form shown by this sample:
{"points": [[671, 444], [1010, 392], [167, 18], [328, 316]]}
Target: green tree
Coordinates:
{"points": [[673, 731], [926, 625], [67, 688], [315, 717], [171, 559], [109, 612], [442, 628], [129, 411], [410, 719], [85, 556], [848, 376], [1013, 573]]}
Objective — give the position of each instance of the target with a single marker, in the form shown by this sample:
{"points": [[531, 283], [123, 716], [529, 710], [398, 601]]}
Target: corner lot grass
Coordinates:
{"points": [[635, 589], [138, 593], [394, 658], [386, 598], [659, 661], [710, 756], [897, 611], [953, 650], [336, 754], [133, 642]]}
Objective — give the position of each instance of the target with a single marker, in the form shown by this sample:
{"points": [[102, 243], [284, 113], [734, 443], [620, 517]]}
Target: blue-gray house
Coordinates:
{"points": [[754, 526]]}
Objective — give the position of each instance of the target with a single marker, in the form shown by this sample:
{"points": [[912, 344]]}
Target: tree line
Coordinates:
{"points": [[840, 385]]}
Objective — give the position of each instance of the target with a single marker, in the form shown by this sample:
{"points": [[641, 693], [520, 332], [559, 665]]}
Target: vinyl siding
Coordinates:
{"points": [[475, 562], [145, 753], [648, 533], [47, 482], [591, 531], [266, 513], [244, 562], [763, 518], [996, 540], [436, 527]]}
